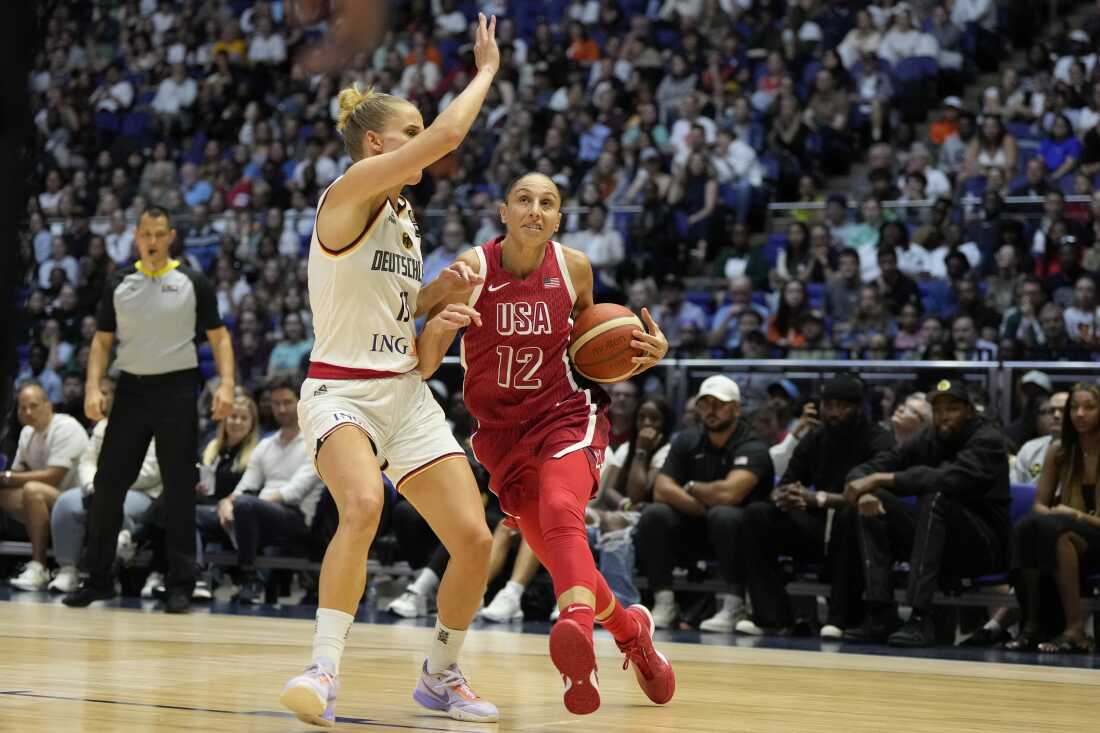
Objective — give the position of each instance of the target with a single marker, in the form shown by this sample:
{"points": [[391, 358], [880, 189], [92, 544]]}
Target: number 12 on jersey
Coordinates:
{"points": [[516, 368]]}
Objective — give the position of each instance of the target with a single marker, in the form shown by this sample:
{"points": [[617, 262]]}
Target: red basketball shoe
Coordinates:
{"points": [[572, 653], [653, 670]]}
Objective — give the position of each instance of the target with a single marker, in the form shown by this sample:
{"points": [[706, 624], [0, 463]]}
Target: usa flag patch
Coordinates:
{"points": [[551, 282]]}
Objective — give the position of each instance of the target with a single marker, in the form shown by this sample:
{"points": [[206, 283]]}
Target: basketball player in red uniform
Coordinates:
{"points": [[540, 434]]}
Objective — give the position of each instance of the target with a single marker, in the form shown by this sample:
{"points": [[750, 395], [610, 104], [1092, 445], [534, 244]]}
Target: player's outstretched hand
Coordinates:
{"points": [[459, 277], [653, 345], [456, 316], [486, 53]]}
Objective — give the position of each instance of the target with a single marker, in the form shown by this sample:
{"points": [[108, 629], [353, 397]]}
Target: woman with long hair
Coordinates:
{"points": [[784, 328], [365, 408], [227, 454], [1060, 539], [993, 146]]}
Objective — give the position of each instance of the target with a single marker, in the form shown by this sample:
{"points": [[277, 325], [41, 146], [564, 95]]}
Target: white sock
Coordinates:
{"points": [[664, 597], [445, 647], [329, 635], [515, 588], [425, 583], [993, 625]]}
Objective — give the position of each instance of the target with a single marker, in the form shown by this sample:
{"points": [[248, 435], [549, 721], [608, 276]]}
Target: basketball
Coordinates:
{"points": [[600, 345]]}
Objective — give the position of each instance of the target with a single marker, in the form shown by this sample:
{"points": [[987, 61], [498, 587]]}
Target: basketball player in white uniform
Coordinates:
{"points": [[365, 407]]}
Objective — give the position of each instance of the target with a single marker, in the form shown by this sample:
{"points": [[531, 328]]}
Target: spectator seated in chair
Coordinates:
{"points": [[797, 520], [45, 465], [1060, 539], [711, 474], [626, 488], [958, 470], [224, 460], [68, 520], [275, 499]]}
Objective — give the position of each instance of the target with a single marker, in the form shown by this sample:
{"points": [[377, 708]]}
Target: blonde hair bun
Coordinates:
{"points": [[350, 98]]}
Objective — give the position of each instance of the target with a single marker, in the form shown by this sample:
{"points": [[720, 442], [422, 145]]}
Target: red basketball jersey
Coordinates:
{"points": [[517, 366]]}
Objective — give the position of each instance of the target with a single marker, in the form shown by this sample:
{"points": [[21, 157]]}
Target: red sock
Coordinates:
{"points": [[611, 614]]}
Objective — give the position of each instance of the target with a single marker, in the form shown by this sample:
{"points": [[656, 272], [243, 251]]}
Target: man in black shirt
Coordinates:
{"points": [[897, 288], [155, 308], [958, 470], [711, 473], [798, 519]]}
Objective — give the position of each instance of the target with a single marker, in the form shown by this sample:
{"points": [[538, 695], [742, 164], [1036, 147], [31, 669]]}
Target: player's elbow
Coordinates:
{"points": [[448, 138]]}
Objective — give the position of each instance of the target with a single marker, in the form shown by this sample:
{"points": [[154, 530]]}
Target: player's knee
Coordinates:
{"points": [[554, 508], [472, 545], [360, 513]]}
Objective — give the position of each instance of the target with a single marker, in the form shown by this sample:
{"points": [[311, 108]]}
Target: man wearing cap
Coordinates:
{"points": [[1080, 46], [958, 470], [1034, 388], [782, 396], [711, 473], [807, 516]]}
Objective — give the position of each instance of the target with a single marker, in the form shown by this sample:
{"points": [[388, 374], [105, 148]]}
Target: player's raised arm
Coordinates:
{"points": [[450, 313], [386, 137]]}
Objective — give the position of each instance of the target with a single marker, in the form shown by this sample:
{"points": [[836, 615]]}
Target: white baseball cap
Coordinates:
{"points": [[721, 388], [1039, 379]]}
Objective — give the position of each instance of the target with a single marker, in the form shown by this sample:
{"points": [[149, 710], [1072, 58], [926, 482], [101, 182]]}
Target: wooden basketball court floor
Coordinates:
{"points": [[110, 669]]}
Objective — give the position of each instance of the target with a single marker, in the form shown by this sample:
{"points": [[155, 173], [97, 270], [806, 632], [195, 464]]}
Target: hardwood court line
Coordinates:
{"points": [[245, 713]]}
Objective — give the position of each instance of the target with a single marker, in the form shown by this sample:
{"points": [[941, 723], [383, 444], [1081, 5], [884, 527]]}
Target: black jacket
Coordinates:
{"points": [[972, 470], [824, 457]]}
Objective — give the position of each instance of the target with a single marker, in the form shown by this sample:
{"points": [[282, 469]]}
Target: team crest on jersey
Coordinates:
{"points": [[406, 240]]}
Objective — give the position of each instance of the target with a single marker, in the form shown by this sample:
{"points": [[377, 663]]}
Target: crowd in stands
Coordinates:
{"points": [[668, 126]]}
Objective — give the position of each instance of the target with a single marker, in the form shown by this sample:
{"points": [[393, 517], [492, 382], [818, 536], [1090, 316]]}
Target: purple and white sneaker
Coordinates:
{"points": [[312, 694], [449, 692]]}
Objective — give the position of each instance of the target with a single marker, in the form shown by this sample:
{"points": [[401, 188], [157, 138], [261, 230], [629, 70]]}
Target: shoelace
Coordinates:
{"points": [[451, 677], [634, 649], [320, 672]]}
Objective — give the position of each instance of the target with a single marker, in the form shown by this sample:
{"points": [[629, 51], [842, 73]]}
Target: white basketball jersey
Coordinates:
{"points": [[363, 294]]}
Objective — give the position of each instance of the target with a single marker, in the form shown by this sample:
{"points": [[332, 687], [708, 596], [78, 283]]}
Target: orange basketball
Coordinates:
{"points": [[600, 345]]}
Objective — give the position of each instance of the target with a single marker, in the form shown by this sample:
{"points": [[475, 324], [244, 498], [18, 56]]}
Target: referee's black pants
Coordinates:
{"points": [[165, 407], [940, 537]]}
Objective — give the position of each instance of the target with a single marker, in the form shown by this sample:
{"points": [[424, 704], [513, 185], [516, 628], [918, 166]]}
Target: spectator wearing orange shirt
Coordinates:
{"points": [[948, 124], [582, 49]]}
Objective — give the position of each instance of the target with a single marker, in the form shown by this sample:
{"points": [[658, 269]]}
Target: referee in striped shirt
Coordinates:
{"points": [[156, 308]]}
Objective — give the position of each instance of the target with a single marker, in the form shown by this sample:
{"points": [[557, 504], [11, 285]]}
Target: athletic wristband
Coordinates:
{"points": [[625, 504]]}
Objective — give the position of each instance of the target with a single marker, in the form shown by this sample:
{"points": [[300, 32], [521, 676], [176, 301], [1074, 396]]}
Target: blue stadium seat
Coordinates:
{"points": [[702, 298], [775, 243], [974, 186], [1023, 498], [815, 294], [936, 297]]}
